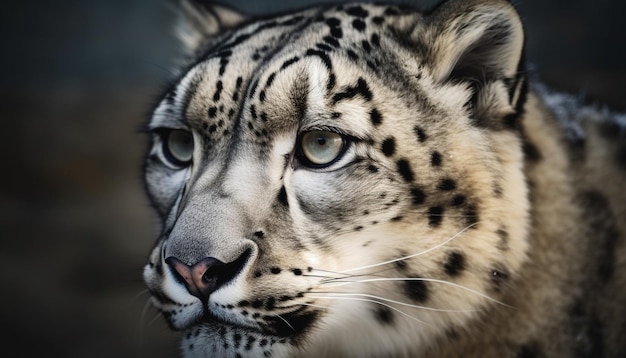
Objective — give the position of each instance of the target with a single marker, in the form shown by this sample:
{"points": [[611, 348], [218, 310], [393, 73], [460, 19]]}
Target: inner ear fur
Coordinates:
{"points": [[479, 43], [201, 21], [475, 39]]}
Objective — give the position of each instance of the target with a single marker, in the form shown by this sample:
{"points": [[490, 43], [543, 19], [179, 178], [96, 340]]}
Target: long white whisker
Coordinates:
{"points": [[396, 302], [380, 303], [414, 255], [284, 320], [136, 296], [156, 316], [142, 318], [426, 280]]}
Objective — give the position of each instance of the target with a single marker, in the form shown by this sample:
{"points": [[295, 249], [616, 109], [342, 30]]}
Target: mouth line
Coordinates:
{"points": [[289, 325]]}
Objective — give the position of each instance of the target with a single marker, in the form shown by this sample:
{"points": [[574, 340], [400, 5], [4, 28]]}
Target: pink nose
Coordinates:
{"points": [[202, 278]]}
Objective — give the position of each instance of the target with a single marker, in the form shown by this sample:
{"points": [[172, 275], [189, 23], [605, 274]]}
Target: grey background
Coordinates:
{"points": [[76, 81]]}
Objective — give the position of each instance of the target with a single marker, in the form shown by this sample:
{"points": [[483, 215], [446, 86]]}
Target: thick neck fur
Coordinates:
{"points": [[561, 299]]}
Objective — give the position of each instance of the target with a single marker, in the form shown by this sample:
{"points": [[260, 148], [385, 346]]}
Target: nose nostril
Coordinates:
{"points": [[207, 275]]}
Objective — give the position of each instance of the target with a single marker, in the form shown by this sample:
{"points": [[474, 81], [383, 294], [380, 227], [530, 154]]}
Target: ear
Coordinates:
{"points": [[478, 42], [201, 22]]}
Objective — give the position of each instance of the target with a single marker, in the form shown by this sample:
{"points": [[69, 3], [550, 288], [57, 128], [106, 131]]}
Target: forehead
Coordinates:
{"points": [[318, 48]]}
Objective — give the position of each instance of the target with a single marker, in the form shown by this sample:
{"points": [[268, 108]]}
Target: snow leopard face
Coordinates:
{"points": [[344, 180]]}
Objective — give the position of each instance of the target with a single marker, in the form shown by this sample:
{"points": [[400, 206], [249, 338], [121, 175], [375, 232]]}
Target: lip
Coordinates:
{"points": [[280, 326]]}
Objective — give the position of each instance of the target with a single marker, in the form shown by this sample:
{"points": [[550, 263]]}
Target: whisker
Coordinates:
{"points": [[431, 280], [142, 318], [398, 302], [413, 255], [136, 296], [322, 277], [284, 320], [380, 303], [156, 316]]}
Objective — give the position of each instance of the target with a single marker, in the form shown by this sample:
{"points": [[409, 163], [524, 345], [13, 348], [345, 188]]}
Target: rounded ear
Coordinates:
{"points": [[478, 43], [473, 39], [201, 21]]}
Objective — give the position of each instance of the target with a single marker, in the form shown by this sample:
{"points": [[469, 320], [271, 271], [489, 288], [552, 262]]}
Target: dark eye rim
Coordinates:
{"points": [[304, 161], [164, 134]]}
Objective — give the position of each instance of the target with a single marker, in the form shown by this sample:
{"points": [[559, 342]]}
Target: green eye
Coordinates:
{"points": [[178, 147], [319, 148]]}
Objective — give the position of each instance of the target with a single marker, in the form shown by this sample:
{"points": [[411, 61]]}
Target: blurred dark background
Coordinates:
{"points": [[77, 80]]}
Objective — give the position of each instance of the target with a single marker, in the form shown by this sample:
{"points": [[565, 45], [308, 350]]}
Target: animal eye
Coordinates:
{"points": [[178, 147], [321, 148]]}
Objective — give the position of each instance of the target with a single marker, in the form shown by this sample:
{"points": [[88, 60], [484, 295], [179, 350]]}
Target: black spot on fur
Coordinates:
{"points": [[218, 91], [212, 112], [471, 216], [375, 40], [418, 196], [383, 315], [376, 117], [420, 133], [297, 271], [333, 22], [289, 62], [378, 20], [447, 184], [323, 47], [323, 56], [275, 270], [357, 11], [416, 289], [389, 146], [336, 32], [372, 66], [358, 24], [390, 11], [455, 263], [435, 159], [352, 55], [331, 41], [361, 89], [366, 46], [223, 63], [404, 168], [372, 168], [458, 200], [270, 80], [435, 216]]}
